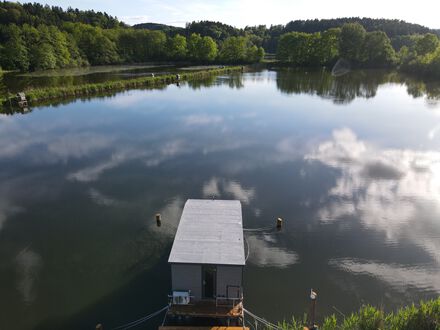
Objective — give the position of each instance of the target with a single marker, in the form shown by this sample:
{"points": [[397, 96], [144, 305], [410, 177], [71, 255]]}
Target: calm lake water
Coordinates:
{"points": [[352, 165]]}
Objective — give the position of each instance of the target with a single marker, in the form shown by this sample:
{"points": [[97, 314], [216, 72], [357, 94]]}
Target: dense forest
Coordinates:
{"points": [[261, 35], [419, 54], [36, 37], [362, 42]]}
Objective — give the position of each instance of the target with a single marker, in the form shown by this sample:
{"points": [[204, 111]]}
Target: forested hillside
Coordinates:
{"points": [[267, 37], [419, 53], [36, 37], [35, 14]]}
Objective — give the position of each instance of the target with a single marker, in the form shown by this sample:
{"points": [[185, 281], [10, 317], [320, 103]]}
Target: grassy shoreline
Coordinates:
{"points": [[36, 95], [424, 316]]}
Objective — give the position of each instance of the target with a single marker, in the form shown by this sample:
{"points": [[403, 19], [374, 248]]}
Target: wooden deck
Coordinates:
{"points": [[202, 328], [206, 309]]}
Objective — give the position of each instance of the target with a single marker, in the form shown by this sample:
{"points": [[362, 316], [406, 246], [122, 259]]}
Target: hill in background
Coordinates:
{"points": [[267, 37]]}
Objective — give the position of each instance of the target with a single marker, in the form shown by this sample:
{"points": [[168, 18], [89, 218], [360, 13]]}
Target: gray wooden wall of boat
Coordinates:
{"points": [[228, 275], [187, 277]]}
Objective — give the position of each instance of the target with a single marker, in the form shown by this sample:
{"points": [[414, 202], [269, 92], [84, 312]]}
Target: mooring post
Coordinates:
{"points": [[279, 223], [158, 219], [313, 296]]}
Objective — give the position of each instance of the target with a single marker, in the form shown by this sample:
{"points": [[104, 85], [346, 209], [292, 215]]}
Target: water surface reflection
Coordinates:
{"points": [[357, 184]]}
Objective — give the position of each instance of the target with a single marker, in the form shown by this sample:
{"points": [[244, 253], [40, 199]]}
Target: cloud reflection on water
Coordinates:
{"points": [[28, 266], [389, 190], [266, 252], [102, 199], [400, 277], [216, 187]]}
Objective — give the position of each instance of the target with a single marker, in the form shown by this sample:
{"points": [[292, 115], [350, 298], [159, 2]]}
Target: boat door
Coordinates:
{"points": [[209, 281]]}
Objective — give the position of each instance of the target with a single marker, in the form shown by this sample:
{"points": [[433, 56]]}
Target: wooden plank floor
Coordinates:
{"points": [[206, 310], [202, 328]]}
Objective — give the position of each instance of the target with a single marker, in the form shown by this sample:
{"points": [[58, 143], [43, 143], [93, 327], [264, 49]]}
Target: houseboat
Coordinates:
{"points": [[207, 261]]}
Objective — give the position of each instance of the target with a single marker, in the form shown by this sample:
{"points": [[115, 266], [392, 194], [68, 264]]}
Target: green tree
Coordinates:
{"points": [[97, 47], [427, 44], [77, 58], [208, 49], [434, 64], [351, 41], [378, 51], [233, 50], [176, 47], [14, 54], [60, 46], [294, 47], [202, 48], [44, 57], [329, 46], [254, 54], [193, 43], [155, 44]]}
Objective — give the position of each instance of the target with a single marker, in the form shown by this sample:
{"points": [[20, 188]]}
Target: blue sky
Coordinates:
{"points": [[252, 12]]}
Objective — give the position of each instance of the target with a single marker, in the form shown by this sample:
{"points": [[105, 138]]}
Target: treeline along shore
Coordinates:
{"points": [[418, 53], [36, 37]]}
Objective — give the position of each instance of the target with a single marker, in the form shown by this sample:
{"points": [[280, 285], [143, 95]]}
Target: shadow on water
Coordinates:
{"points": [[143, 295]]}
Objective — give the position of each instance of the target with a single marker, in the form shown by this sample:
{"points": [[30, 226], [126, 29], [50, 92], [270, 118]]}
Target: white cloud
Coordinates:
{"points": [[101, 199], [28, 266], [92, 173], [399, 277], [7, 209], [78, 145], [211, 188], [433, 132], [254, 12], [202, 119], [217, 187], [264, 252], [167, 151], [238, 192], [387, 189], [16, 191]]}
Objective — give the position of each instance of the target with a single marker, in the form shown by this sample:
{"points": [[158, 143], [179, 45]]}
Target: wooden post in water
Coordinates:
{"points": [[313, 296], [158, 219], [279, 223]]}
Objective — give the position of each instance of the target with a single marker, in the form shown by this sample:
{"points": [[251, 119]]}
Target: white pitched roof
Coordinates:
{"points": [[209, 232]]}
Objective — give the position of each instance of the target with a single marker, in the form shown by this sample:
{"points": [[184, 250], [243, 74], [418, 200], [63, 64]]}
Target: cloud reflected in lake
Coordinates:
{"points": [[400, 277], [216, 188], [28, 266], [265, 252], [395, 191]]}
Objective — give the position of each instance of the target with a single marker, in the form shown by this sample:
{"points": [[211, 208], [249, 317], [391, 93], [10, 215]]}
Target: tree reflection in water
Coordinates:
{"points": [[346, 88]]}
